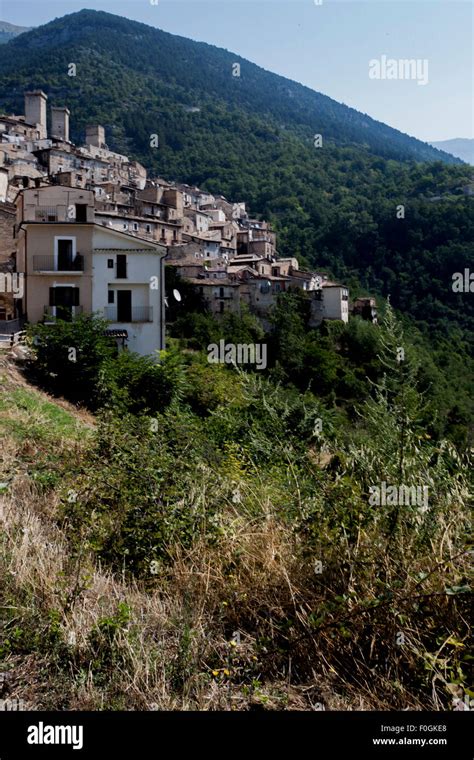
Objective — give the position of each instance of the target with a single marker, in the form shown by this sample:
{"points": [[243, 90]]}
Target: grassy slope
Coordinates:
{"points": [[57, 611], [73, 636]]}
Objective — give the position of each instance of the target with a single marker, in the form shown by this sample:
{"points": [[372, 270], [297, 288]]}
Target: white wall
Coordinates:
{"points": [[142, 266], [3, 185], [334, 305], [216, 214], [202, 223]]}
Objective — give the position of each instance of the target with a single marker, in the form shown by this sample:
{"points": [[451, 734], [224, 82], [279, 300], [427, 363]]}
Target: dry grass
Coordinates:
{"points": [[175, 650]]}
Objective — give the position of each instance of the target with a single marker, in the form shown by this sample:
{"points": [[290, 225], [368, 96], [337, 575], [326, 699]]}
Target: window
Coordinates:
{"points": [[111, 296], [125, 225], [135, 226], [121, 266], [81, 212], [110, 263], [221, 292], [63, 299], [148, 228]]}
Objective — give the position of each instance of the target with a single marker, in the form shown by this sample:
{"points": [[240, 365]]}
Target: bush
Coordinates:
{"points": [[68, 357], [141, 384]]}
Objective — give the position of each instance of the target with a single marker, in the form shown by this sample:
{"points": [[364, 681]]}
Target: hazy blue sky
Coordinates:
{"points": [[327, 47]]}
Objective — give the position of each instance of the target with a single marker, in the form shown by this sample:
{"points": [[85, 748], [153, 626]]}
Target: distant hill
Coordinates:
{"points": [[176, 71], [9, 31], [461, 147]]}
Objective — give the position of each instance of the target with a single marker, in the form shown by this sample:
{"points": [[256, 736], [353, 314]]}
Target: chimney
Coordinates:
{"points": [[95, 135], [35, 111], [60, 123]]}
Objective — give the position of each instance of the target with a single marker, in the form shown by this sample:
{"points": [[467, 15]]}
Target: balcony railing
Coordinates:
{"points": [[134, 314], [56, 214], [224, 295], [47, 214], [62, 312], [48, 263], [258, 237]]}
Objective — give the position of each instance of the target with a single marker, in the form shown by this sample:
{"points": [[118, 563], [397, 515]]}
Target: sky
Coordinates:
{"points": [[328, 47]]}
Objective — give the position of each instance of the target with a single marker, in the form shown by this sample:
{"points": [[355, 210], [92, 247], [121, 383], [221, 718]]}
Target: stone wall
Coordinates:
{"points": [[7, 247]]}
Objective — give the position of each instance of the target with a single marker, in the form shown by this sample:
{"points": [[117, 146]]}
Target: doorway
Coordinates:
{"points": [[124, 305]]}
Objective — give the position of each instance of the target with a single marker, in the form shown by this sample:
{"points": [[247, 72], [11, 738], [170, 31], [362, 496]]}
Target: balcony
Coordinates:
{"points": [[62, 312], [127, 315], [73, 214], [47, 214], [224, 296], [259, 237], [49, 263]]}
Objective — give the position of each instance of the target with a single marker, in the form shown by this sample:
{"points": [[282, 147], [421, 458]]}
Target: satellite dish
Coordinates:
{"points": [[177, 295]]}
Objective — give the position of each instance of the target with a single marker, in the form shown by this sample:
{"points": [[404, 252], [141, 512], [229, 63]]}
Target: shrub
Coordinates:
{"points": [[141, 384], [68, 356]]}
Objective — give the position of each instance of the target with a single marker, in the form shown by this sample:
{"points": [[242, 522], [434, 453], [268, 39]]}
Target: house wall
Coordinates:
{"points": [[57, 197], [230, 299], [7, 241], [3, 184], [7, 247], [335, 306], [39, 239], [261, 248], [202, 223], [143, 337], [144, 229]]}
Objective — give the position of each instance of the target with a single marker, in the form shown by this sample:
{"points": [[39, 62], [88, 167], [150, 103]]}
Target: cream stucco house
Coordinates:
{"points": [[73, 265]]}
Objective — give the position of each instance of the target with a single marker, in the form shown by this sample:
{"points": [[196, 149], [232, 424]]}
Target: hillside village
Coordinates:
{"points": [[179, 535], [83, 230]]}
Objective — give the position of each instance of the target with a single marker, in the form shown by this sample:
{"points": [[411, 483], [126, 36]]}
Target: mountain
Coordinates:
{"points": [[461, 147], [9, 31], [384, 212], [191, 74]]}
